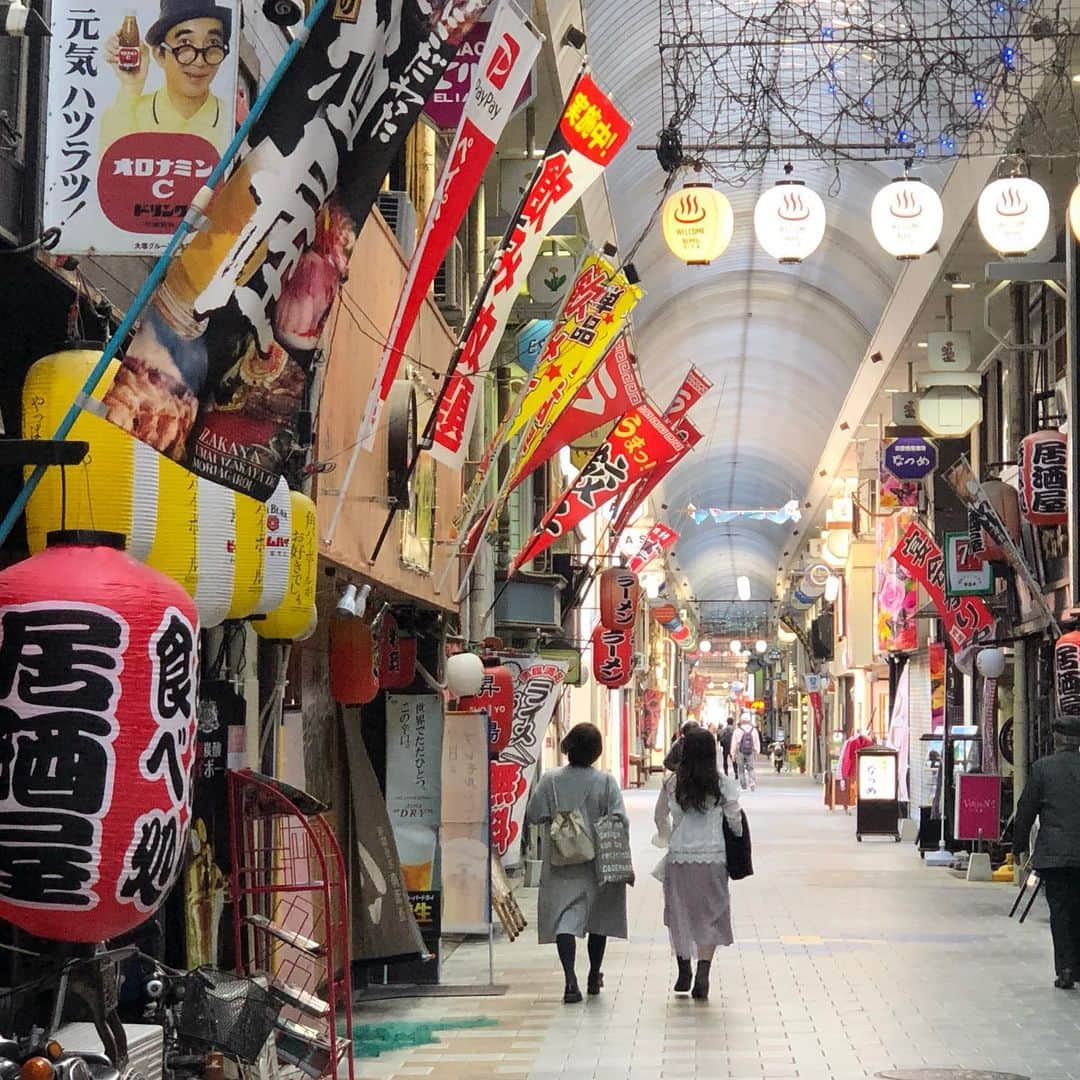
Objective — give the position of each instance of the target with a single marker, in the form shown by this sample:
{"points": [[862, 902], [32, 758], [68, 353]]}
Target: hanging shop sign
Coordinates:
{"points": [[98, 675], [509, 47], [638, 443], [354, 661], [397, 655], [967, 619], [695, 385], [612, 656], [496, 700], [551, 278], [530, 343], [131, 135], [590, 133], [966, 574], [1043, 471], [698, 223], [910, 458], [1005, 502], [1067, 673], [949, 351], [659, 539], [219, 367], [620, 592]]}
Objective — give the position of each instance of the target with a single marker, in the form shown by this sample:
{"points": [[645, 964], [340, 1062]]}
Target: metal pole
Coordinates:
{"points": [[1072, 383], [1020, 719]]}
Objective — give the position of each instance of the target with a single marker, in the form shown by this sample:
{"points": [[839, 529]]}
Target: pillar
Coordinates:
{"points": [[1020, 719]]}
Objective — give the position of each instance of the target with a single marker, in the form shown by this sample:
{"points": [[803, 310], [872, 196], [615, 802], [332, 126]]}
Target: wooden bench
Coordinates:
{"points": [[638, 772]]}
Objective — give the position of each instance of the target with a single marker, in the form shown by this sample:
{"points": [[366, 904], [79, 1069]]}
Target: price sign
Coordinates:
{"points": [[910, 458]]}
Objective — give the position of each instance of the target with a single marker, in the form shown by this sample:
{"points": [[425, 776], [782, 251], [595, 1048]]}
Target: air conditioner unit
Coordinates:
{"points": [[450, 283], [399, 213]]}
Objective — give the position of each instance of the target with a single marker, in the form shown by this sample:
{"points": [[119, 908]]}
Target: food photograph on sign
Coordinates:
{"points": [[142, 102]]}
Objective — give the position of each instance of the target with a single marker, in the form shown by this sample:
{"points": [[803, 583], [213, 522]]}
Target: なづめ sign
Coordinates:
{"points": [[98, 676]]}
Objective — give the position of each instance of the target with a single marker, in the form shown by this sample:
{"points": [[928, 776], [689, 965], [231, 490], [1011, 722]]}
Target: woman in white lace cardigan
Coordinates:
{"points": [[690, 815]]}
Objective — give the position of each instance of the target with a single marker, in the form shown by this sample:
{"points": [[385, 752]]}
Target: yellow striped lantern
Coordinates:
{"points": [[115, 487], [176, 544], [275, 574], [216, 533], [295, 618], [250, 546]]}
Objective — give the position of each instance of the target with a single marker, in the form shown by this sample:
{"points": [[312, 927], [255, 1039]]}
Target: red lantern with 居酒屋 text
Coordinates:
{"points": [[1043, 468], [619, 596], [1006, 503], [1067, 673], [98, 678], [354, 661], [613, 656], [496, 698], [397, 655]]}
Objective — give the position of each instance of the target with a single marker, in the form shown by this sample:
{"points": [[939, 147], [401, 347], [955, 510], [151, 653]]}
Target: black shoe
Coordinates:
{"points": [[1065, 980], [572, 995], [682, 984], [595, 983], [701, 981]]}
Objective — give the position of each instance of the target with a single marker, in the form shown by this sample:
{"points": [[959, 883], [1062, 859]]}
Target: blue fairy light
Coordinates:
{"points": [[1008, 57], [978, 99], [903, 137], [1000, 8], [948, 144], [921, 151], [826, 33]]}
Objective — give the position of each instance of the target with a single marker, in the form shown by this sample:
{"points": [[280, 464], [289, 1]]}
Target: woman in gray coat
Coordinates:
{"points": [[572, 901]]}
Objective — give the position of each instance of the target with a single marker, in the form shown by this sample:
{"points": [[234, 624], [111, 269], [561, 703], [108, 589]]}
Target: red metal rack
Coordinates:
{"points": [[291, 918]]}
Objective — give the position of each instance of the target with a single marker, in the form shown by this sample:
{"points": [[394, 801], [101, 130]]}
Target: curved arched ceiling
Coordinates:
{"points": [[780, 343]]}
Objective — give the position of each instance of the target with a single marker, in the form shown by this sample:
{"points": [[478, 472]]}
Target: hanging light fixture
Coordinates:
{"points": [[742, 585], [1074, 212], [705, 645], [906, 217], [1013, 214], [698, 223], [789, 220], [832, 589], [736, 647], [761, 646]]}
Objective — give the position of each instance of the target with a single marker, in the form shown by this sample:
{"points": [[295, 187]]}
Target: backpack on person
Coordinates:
{"points": [[570, 836], [746, 743]]}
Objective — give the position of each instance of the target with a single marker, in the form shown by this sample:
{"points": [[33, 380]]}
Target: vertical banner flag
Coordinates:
{"points": [[512, 47], [593, 313], [137, 121], [660, 538], [694, 387], [591, 132], [218, 369], [967, 619], [538, 684], [896, 597], [637, 445], [936, 654]]}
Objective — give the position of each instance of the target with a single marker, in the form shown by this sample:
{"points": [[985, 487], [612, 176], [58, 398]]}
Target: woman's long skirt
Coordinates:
{"points": [[697, 907]]}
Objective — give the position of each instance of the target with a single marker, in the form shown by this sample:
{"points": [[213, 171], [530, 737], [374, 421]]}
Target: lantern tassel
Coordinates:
{"points": [[189, 223]]}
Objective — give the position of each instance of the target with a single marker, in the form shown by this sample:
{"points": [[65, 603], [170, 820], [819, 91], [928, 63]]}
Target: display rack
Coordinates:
{"points": [[291, 918]]}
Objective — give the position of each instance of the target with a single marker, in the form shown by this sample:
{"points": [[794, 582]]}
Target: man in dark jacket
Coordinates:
{"points": [[1051, 795], [725, 746]]}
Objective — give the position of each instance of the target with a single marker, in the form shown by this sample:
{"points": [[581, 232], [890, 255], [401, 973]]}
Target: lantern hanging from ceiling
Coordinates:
{"points": [[663, 613], [354, 662], [496, 698], [175, 551], [248, 573], [613, 657], [1013, 214], [907, 217], [115, 487], [789, 221], [1074, 212], [397, 655], [1005, 501], [100, 711], [1043, 471], [1067, 673], [698, 223], [683, 636], [619, 596], [464, 674], [295, 617]]}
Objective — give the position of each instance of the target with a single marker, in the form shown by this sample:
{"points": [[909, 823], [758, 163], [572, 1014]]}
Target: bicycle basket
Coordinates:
{"points": [[227, 1013]]}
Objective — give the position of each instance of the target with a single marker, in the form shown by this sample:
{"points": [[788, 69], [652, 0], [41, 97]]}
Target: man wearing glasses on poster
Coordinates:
{"points": [[189, 42]]}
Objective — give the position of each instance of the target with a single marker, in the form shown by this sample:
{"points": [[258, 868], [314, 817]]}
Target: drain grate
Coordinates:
{"points": [[949, 1074]]}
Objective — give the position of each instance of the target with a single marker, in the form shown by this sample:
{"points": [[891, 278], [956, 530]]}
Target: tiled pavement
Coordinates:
{"points": [[849, 959]]}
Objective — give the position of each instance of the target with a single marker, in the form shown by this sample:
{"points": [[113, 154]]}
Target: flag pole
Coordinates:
{"points": [[192, 221]]}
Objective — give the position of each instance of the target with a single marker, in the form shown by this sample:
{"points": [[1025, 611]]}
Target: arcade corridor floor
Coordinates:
{"points": [[850, 959]]}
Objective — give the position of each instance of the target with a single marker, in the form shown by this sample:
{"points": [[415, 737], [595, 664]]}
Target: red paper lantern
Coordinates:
{"points": [[1044, 494], [354, 661], [664, 613], [98, 678], [1006, 502], [619, 596], [613, 656], [496, 698], [1067, 673], [397, 655]]}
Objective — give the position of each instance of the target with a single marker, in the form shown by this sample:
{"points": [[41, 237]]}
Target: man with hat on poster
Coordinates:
{"points": [[189, 42], [1052, 794]]}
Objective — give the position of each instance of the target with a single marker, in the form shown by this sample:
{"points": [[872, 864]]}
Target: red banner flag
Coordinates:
{"points": [[638, 444], [967, 619], [660, 538], [694, 387]]}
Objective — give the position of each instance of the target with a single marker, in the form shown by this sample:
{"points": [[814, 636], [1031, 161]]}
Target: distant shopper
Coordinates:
{"points": [[572, 903], [727, 732], [747, 742], [1051, 796], [779, 755], [689, 816], [671, 762]]}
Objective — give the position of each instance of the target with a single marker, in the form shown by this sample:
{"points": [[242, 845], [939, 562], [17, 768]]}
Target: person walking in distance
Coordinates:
{"points": [[690, 814], [727, 732], [572, 903], [1051, 796], [748, 742]]}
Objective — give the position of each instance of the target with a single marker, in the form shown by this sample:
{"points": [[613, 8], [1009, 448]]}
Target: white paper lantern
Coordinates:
{"points": [[1074, 212], [705, 645], [906, 217], [1014, 214], [761, 646], [991, 663], [736, 646], [464, 674], [742, 584], [698, 223], [789, 221]]}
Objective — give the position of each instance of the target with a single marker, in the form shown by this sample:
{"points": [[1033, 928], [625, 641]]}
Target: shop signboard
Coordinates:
{"points": [[977, 807], [965, 573], [124, 155], [530, 343], [910, 458]]}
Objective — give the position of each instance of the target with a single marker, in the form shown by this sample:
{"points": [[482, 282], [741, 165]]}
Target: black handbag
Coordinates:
{"points": [[740, 863]]}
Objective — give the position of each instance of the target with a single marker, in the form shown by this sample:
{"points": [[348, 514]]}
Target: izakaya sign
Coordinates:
{"points": [[219, 367], [967, 619], [591, 132], [124, 153]]}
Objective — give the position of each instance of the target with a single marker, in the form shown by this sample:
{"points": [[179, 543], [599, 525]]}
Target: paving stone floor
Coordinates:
{"points": [[849, 959]]}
